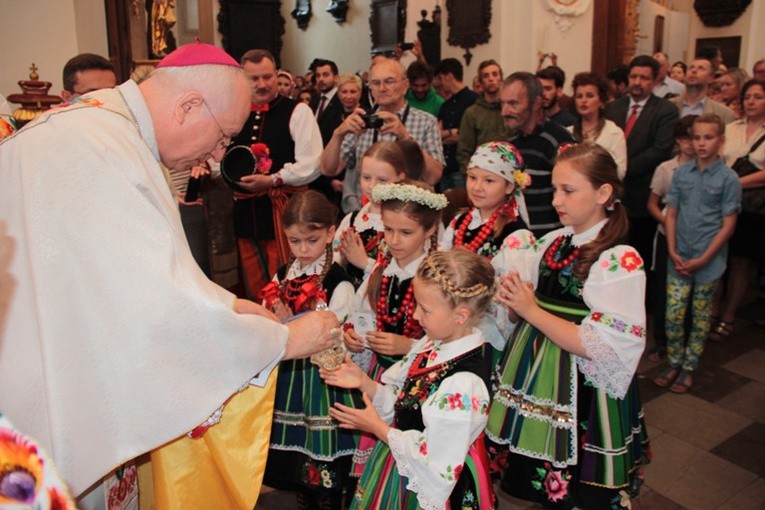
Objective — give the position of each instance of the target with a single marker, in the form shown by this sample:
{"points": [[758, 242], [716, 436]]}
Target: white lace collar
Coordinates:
{"points": [[586, 236], [444, 351], [366, 219], [315, 267], [407, 271]]}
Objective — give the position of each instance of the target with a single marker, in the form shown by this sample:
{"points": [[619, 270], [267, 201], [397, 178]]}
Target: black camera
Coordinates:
{"points": [[372, 121], [406, 46]]}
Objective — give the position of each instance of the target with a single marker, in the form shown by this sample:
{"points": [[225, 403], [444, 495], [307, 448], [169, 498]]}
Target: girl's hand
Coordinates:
{"points": [[349, 375], [389, 344], [353, 341], [691, 266], [353, 249], [677, 262], [516, 294], [366, 419], [281, 310]]}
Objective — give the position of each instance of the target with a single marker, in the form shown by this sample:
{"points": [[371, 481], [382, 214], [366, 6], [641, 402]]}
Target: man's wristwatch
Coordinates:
{"points": [[277, 181]]}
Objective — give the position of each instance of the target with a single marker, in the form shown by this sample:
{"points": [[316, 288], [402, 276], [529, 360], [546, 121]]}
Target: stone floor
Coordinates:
{"points": [[708, 445]]}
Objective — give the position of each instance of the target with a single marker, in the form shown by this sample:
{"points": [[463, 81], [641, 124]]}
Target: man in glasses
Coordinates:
{"points": [[85, 73], [113, 342], [393, 119]]}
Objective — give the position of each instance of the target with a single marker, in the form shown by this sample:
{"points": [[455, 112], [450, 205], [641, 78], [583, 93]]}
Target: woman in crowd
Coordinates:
{"points": [[590, 97], [730, 87], [678, 71], [349, 92], [746, 245], [285, 84]]}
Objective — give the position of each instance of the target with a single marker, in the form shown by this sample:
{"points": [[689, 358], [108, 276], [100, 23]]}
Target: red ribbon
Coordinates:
{"points": [[259, 108], [309, 292], [270, 293]]}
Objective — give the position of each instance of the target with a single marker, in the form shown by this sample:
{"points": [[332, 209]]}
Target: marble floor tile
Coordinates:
{"points": [[671, 458], [708, 482], [745, 449], [750, 364], [696, 421], [649, 499], [748, 400], [751, 497], [713, 382]]}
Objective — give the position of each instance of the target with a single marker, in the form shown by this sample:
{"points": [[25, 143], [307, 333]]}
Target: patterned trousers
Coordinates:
{"points": [[679, 291]]}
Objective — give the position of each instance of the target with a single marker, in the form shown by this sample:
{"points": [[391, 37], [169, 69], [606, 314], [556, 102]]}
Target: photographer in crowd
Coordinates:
{"points": [[393, 119]]}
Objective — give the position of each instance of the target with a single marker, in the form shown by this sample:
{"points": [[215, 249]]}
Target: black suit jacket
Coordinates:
{"points": [[330, 118], [649, 144]]}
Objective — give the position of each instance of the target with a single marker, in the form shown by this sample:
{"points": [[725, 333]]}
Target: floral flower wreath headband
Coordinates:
{"points": [[409, 193], [503, 159]]}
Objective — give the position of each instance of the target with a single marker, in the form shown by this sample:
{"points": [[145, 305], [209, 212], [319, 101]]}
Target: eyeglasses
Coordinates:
{"points": [[225, 140], [388, 82]]}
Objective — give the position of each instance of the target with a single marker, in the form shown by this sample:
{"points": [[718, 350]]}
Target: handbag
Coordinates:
{"points": [[753, 199]]}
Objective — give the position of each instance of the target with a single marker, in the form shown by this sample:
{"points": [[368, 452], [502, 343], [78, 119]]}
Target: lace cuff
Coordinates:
{"points": [[603, 369], [397, 444]]}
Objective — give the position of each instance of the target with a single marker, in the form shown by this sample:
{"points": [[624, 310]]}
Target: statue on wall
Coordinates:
{"points": [[338, 9], [302, 13], [720, 13], [161, 20]]}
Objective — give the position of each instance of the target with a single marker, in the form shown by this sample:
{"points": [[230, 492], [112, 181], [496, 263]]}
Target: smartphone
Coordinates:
{"points": [[407, 46]]}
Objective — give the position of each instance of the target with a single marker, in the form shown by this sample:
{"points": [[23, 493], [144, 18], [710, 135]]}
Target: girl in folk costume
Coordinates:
{"points": [[383, 324], [567, 405], [308, 452], [430, 411], [494, 184], [360, 233]]}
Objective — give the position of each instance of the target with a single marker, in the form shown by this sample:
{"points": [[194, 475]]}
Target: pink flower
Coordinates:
{"points": [[424, 448], [555, 486], [457, 471], [512, 242], [596, 316], [604, 264], [455, 401], [476, 403]]}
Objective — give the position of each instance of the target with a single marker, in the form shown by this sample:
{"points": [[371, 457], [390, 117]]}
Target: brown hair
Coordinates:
{"points": [[711, 118], [422, 214], [257, 56], [580, 80], [599, 168], [464, 277], [388, 152], [311, 210]]}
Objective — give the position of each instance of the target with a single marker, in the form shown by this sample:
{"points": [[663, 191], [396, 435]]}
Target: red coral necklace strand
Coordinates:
{"points": [[486, 229], [411, 326], [553, 249]]}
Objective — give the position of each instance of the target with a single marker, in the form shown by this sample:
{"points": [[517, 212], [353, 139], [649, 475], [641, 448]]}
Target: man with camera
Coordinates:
{"points": [[393, 119]]}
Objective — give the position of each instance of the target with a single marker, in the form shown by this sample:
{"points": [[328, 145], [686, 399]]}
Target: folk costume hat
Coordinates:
{"points": [[504, 160], [197, 54]]}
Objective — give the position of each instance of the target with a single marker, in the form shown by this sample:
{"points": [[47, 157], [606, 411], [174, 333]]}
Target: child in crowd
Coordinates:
{"points": [[657, 277], [703, 202], [430, 411], [567, 405], [498, 206], [360, 233], [383, 324], [494, 183], [308, 452]]}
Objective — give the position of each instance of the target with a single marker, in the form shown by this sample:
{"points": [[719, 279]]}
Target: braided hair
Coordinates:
{"points": [[464, 277], [311, 210]]}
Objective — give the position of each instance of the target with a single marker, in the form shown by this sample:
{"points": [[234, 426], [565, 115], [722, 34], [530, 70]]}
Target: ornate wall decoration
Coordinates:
{"points": [[387, 21], [302, 13], [720, 13], [338, 9], [468, 24], [565, 11], [249, 24]]}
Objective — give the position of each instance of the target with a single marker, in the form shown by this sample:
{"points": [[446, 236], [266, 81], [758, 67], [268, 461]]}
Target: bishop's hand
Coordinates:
{"points": [[311, 333]]}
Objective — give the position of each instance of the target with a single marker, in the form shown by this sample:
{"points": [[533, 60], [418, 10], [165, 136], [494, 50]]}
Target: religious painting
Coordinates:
{"points": [[468, 24], [729, 46], [387, 22]]}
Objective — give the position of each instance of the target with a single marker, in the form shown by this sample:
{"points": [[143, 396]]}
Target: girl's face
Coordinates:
{"points": [[350, 95], [305, 97], [754, 102], [404, 236], [374, 172], [436, 315], [587, 100], [677, 73], [486, 190], [685, 145], [729, 87], [578, 204], [308, 245], [284, 86]]}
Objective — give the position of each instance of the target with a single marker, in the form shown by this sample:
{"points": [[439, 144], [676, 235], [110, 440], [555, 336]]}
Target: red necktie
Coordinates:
{"points": [[322, 103], [631, 120]]}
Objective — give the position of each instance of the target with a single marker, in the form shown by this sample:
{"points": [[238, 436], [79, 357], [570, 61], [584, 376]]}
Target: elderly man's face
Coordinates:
{"points": [[262, 79], [388, 84], [516, 108]]}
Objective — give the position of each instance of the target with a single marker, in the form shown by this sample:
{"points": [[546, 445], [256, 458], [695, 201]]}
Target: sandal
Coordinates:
{"points": [[683, 383], [721, 331], [656, 354], [666, 378]]}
